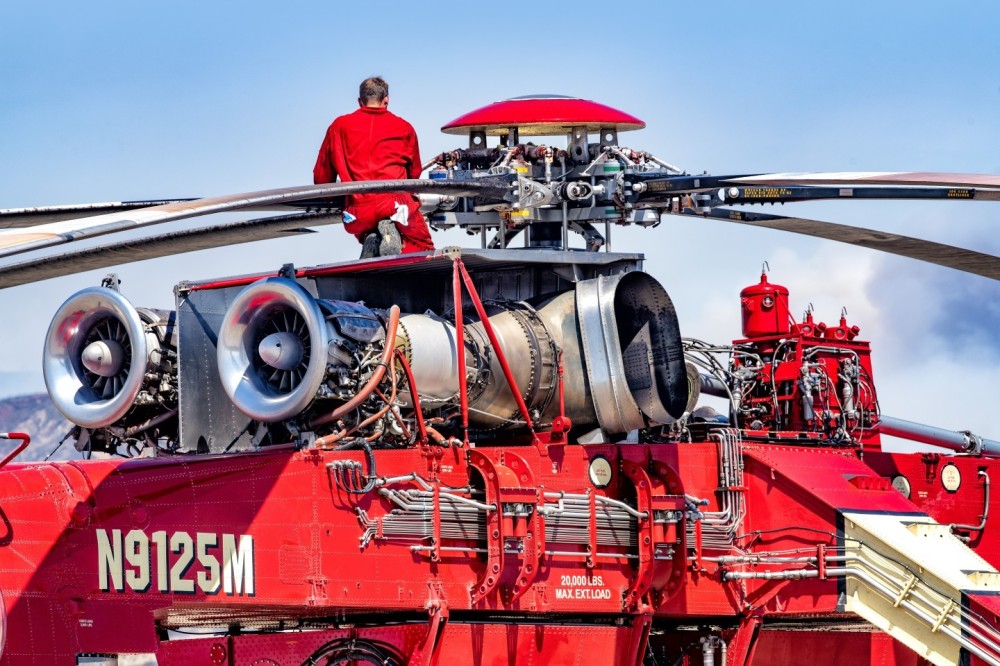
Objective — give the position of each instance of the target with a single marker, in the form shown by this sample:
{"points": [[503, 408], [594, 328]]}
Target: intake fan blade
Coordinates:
{"points": [[268, 307]]}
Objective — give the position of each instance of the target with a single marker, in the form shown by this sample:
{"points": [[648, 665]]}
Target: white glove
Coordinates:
{"points": [[402, 215]]}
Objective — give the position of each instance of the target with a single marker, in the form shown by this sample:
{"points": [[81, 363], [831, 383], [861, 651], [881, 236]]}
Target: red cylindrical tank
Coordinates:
{"points": [[765, 309]]}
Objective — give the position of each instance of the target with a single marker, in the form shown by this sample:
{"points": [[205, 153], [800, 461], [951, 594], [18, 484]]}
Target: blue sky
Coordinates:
{"points": [[106, 101]]}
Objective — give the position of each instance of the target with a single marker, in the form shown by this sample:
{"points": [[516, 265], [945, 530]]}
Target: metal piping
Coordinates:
{"points": [[890, 580], [986, 509], [958, 441], [958, 636], [149, 423], [712, 385]]}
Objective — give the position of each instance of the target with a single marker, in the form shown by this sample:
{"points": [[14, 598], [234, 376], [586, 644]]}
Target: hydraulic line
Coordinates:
{"points": [[463, 392], [568, 521], [327, 440], [719, 529], [986, 509], [411, 382], [498, 350], [373, 381]]}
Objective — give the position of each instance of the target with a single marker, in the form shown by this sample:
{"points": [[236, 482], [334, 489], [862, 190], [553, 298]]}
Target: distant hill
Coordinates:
{"points": [[36, 416]]}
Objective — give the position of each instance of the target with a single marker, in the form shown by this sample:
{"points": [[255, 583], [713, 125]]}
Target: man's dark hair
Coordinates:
{"points": [[373, 89]]}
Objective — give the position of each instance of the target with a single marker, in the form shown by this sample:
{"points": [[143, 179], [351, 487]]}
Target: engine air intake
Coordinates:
{"points": [[266, 375], [103, 358]]}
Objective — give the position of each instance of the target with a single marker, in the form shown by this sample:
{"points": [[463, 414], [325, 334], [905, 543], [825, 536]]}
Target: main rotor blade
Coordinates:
{"points": [[13, 241], [177, 242], [16, 218], [874, 178], [790, 193], [968, 261], [666, 189]]}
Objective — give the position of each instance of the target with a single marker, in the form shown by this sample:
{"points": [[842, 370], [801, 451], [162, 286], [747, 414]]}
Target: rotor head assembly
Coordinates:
{"points": [[569, 186]]}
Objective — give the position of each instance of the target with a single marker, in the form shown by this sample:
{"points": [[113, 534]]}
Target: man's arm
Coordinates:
{"points": [[413, 171], [325, 171]]}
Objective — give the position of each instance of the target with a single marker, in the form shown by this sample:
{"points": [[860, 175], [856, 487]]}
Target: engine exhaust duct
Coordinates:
{"points": [[103, 357], [279, 349], [632, 344]]}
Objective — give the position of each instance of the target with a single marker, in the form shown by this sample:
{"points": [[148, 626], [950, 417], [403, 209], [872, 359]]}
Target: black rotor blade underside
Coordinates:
{"points": [[723, 191], [792, 193], [177, 242], [961, 259], [849, 178]]}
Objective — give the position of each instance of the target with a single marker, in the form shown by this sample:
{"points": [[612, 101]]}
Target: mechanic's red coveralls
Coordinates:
{"points": [[374, 144]]}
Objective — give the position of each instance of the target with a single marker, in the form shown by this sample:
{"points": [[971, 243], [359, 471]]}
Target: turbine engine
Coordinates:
{"points": [[111, 369], [312, 364]]}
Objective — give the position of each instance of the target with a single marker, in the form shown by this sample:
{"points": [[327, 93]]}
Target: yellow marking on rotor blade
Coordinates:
{"points": [[765, 192]]}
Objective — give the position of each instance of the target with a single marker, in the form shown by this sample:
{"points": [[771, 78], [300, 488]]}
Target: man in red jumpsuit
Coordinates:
{"points": [[374, 144]]}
